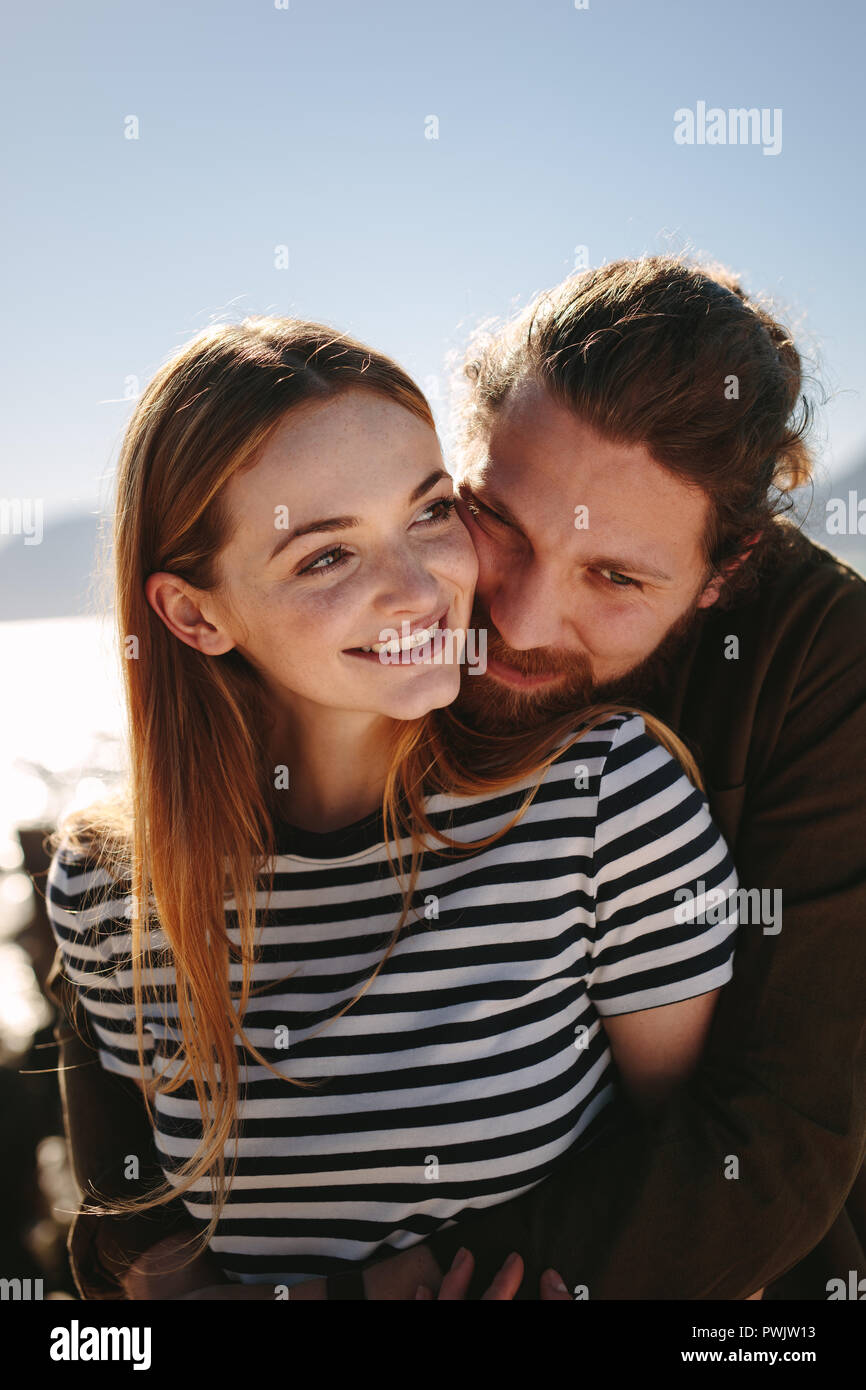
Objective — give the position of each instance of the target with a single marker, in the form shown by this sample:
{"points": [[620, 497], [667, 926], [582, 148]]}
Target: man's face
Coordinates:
{"points": [[591, 568]]}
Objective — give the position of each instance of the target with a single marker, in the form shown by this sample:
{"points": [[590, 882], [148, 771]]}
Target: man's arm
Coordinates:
{"points": [[749, 1165]]}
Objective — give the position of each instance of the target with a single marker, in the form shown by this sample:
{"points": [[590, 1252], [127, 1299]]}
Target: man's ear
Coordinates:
{"points": [[715, 586]]}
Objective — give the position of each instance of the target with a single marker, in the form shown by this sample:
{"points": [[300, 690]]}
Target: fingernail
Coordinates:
{"points": [[512, 1260], [422, 1292], [459, 1258], [555, 1281]]}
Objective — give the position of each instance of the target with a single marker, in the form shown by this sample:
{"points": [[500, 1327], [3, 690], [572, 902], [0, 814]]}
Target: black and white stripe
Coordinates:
{"points": [[478, 1055]]}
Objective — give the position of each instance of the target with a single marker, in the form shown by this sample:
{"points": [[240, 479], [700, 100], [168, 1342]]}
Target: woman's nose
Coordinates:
{"points": [[406, 585]]}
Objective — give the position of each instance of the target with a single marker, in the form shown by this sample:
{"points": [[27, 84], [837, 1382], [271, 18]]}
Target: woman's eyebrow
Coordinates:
{"points": [[430, 481], [345, 523], [330, 523]]}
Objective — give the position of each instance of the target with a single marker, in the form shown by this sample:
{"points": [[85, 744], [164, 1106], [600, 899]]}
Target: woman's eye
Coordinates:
{"points": [[620, 581], [332, 559], [446, 507], [318, 566]]}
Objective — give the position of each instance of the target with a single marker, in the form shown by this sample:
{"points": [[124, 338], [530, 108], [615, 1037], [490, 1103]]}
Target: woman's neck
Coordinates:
{"points": [[337, 763]]}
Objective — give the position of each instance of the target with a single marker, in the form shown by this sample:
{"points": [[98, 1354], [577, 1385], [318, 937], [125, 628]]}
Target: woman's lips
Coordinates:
{"points": [[434, 621], [509, 676]]}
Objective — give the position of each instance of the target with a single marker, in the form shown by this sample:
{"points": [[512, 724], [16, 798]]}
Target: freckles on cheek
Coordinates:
{"points": [[326, 617], [460, 560], [258, 619]]}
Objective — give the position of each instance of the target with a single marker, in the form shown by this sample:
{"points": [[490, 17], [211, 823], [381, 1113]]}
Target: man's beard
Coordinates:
{"points": [[493, 707]]}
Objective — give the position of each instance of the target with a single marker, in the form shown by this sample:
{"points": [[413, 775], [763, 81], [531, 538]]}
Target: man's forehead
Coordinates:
{"points": [[618, 489], [607, 496]]}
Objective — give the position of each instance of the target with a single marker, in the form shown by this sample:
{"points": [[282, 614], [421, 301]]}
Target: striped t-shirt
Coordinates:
{"points": [[478, 1056]]}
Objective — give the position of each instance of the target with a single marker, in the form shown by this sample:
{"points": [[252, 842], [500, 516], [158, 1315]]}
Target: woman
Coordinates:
{"points": [[390, 968]]}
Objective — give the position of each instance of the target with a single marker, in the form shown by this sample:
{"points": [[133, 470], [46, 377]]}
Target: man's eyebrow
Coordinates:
{"points": [[345, 523]]}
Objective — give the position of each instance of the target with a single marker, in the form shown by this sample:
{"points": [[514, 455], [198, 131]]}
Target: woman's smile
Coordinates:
{"points": [[414, 644]]}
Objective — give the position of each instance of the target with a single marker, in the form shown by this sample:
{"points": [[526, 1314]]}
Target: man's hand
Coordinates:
{"points": [[456, 1283], [504, 1286], [160, 1272], [452, 1288], [415, 1274], [311, 1288], [553, 1289]]}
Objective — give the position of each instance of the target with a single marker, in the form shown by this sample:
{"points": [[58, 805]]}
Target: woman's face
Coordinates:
{"points": [[345, 531]]}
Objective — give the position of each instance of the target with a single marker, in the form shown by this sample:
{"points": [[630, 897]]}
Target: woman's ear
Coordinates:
{"points": [[180, 608]]}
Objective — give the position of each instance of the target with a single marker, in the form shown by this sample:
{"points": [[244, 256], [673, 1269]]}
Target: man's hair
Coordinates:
{"points": [[676, 357]]}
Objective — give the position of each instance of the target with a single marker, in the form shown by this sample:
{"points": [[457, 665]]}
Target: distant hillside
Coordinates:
{"points": [[52, 579]]}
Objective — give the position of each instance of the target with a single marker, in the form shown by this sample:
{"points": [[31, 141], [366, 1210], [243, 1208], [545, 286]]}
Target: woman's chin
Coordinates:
{"points": [[422, 693]]}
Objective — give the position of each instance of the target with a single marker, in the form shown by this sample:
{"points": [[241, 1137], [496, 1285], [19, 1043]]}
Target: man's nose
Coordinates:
{"points": [[526, 608]]}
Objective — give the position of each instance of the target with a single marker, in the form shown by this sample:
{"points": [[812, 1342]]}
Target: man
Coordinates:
{"points": [[627, 443]]}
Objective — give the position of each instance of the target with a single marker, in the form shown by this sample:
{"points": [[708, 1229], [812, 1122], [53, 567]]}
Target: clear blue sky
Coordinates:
{"points": [[305, 127]]}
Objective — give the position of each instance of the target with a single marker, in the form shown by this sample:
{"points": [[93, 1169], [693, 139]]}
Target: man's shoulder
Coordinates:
{"points": [[807, 575], [778, 675], [805, 599]]}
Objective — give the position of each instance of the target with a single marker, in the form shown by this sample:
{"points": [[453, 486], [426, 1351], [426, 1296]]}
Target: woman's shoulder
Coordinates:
{"points": [[615, 741], [627, 776], [90, 909], [87, 891], [587, 762]]}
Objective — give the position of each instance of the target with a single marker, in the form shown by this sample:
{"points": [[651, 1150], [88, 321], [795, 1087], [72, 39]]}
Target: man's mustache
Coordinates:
{"points": [[538, 661], [486, 704]]}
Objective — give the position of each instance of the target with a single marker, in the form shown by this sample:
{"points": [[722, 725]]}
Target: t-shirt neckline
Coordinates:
{"points": [[361, 835]]}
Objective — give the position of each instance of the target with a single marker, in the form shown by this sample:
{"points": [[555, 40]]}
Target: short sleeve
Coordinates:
{"points": [[664, 882], [89, 914]]}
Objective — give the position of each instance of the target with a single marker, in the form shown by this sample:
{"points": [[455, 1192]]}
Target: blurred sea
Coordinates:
{"points": [[61, 745]]}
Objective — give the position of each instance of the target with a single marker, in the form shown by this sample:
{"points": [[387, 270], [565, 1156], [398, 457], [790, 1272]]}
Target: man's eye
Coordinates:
{"points": [[620, 581], [477, 508], [317, 567]]}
